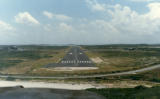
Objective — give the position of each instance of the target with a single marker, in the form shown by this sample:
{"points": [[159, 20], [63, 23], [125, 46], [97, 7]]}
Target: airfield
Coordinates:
{"points": [[79, 60], [116, 67], [75, 59]]}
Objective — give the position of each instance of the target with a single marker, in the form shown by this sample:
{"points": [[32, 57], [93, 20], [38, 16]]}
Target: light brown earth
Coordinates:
{"points": [[97, 60]]}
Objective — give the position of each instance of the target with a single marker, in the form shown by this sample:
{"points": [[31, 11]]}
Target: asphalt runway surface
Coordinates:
{"points": [[75, 57]]}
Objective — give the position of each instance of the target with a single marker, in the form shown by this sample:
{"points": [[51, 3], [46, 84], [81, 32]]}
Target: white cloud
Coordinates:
{"points": [[65, 27], [154, 12], [48, 14], [143, 0], [60, 28], [48, 27], [95, 6], [123, 25], [57, 16], [120, 24], [5, 26], [131, 22], [7, 32], [26, 18], [126, 25]]}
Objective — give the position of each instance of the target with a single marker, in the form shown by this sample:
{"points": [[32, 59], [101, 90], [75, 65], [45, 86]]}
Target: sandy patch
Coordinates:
{"points": [[97, 60], [29, 84], [72, 68]]}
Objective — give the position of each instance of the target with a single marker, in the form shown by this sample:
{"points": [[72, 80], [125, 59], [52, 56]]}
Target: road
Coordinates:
{"points": [[75, 57], [86, 76]]}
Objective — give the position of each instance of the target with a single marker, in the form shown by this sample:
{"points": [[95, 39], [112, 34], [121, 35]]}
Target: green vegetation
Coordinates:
{"points": [[23, 54], [12, 60], [139, 92], [116, 58], [109, 59], [39, 47], [133, 54], [8, 63], [127, 51], [152, 76]]}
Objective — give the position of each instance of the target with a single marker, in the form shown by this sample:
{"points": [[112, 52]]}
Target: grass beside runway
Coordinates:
{"points": [[139, 92], [117, 58], [114, 58], [30, 59], [151, 76]]}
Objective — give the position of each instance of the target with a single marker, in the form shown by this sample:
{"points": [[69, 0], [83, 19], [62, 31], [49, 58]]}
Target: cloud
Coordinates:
{"points": [[116, 24], [5, 26], [132, 23], [48, 27], [7, 32], [65, 27], [57, 16], [120, 24], [154, 12], [26, 18], [126, 25], [95, 6], [143, 0], [60, 28], [48, 14]]}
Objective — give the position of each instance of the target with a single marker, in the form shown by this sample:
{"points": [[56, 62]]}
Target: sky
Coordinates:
{"points": [[79, 22]]}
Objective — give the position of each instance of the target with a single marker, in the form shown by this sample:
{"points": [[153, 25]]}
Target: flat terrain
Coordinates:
{"points": [[33, 60], [139, 92], [151, 76], [29, 58], [55, 85], [75, 57], [40, 93], [116, 58], [117, 70]]}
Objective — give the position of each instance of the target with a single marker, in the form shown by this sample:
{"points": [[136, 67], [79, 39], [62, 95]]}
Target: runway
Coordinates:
{"points": [[75, 57]]}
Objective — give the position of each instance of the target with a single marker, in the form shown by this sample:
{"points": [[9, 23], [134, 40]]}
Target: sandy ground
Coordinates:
{"points": [[97, 60], [73, 68], [76, 86], [29, 84]]}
